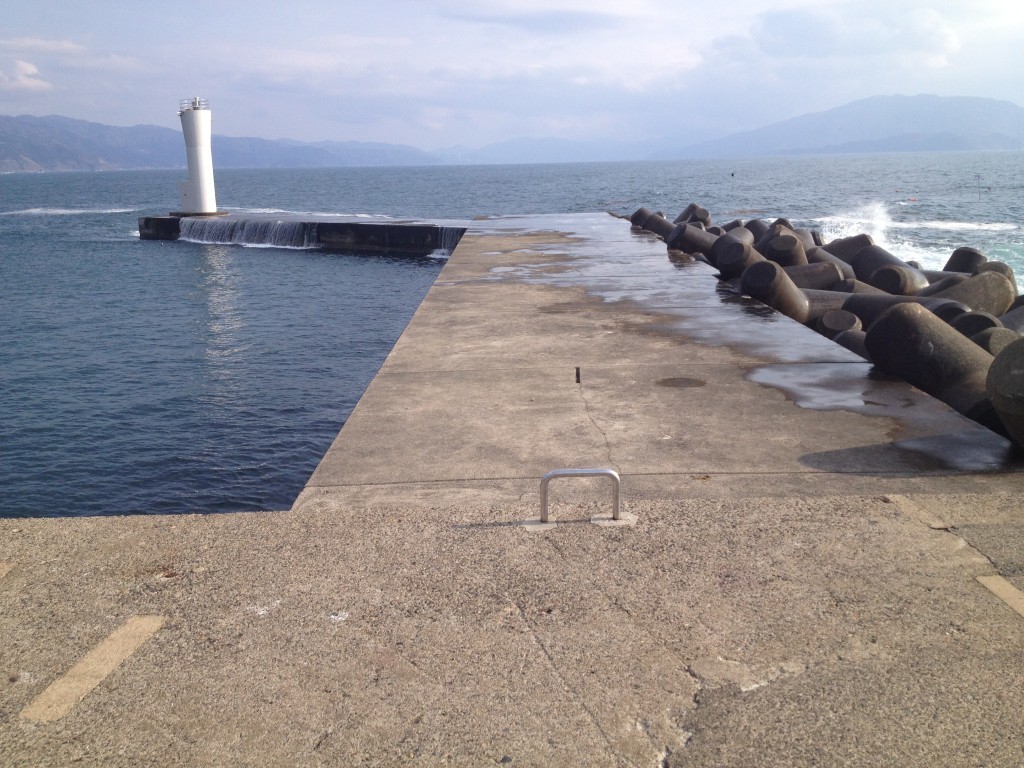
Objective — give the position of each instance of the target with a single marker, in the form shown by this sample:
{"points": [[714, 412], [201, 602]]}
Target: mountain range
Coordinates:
{"points": [[875, 124]]}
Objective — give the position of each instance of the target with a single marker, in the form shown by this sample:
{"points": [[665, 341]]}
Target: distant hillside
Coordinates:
{"points": [[876, 124], [62, 144], [881, 124]]}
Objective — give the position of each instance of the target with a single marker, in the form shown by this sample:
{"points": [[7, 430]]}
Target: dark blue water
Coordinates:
{"points": [[173, 377], [149, 377]]}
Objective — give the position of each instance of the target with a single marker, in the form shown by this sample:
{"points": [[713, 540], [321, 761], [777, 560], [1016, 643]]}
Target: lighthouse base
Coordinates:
{"points": [[183, 214]]}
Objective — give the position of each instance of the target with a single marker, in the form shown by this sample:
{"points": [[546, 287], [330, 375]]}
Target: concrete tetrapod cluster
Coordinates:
{"points": [[955, 333]]}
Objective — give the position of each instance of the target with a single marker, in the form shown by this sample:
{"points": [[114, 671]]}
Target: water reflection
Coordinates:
{"points": [[222, 336]]}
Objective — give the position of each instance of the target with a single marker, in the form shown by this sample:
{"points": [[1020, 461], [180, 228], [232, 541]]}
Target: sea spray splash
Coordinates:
{"points": [[901, 238]]}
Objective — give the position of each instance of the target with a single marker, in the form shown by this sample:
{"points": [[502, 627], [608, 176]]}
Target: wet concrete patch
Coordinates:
{"points": [[858, 388], [613, 263], [824, 386], [757, 330]]}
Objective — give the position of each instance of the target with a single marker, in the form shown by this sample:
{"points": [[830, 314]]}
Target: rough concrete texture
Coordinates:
{"points": [[800, 586]]}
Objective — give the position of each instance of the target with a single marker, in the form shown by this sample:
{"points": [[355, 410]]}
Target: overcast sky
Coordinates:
{"points": [[472, 72]]}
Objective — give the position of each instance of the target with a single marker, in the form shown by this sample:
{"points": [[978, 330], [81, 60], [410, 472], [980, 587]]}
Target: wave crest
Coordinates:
{"points": [[68, 211]]}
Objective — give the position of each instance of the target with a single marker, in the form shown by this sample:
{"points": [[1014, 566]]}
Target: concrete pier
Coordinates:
{"points": [[823, 564]]}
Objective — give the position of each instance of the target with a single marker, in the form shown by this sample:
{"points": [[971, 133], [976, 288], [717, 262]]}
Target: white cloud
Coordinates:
{"points": [[24, 77], [848, 32], [936, 40], [446, 71], [40, 45]]}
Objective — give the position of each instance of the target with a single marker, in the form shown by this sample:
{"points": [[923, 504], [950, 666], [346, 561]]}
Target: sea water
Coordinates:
{"points": [[168, 377]]}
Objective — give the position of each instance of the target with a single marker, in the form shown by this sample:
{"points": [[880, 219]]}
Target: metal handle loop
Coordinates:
{"points": [[609, 473]]}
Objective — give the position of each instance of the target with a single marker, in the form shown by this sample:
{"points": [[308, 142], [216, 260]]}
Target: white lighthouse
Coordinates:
{"points": [[197, 194]]}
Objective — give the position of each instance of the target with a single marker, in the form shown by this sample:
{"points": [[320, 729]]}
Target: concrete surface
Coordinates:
{"points": [[801, 586]]}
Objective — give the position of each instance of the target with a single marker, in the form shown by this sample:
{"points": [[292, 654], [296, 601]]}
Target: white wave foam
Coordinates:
{"points": [[957, 226], [249, 245], [263, 211], [874, 219], [277, 247], [336, 215], [302, 214], [66, 211]]}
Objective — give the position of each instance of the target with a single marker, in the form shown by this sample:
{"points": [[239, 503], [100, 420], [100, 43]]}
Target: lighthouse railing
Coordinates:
{"points": [[188, 104]]}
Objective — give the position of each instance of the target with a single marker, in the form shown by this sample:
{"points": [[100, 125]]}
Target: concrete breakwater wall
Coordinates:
{"points": [[399, 238], [955, 333]]}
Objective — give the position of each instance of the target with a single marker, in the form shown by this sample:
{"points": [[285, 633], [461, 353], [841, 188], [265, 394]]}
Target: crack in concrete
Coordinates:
{"points": [[561, 678], [590, 416], [909, 507], [690, 717]]}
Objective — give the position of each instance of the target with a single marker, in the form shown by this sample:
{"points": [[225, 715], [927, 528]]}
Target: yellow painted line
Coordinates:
{"points": [[5, 568], [1005, 591], [65, 692]]}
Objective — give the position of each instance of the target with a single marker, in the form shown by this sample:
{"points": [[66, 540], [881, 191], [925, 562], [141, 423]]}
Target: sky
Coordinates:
{"points": [[473, 72]]}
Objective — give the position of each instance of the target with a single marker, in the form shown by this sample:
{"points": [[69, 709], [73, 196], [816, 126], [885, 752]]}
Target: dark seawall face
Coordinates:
{"points": [[398, 238]]}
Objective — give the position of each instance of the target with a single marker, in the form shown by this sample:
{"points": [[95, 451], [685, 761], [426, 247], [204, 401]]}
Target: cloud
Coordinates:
{"points": [[849, 31], [934, 37], [447, 71], [109, 63], [460, 51], [25, 77], [40, 45], [545, 21]]}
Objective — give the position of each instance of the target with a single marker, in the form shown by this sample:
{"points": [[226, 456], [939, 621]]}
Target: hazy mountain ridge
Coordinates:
{"points": [[882, 124], [57, 143], [875, 124]]}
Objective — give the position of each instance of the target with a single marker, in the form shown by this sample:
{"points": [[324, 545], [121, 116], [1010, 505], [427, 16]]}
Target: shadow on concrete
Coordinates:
{"points": [[972, 451]]}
